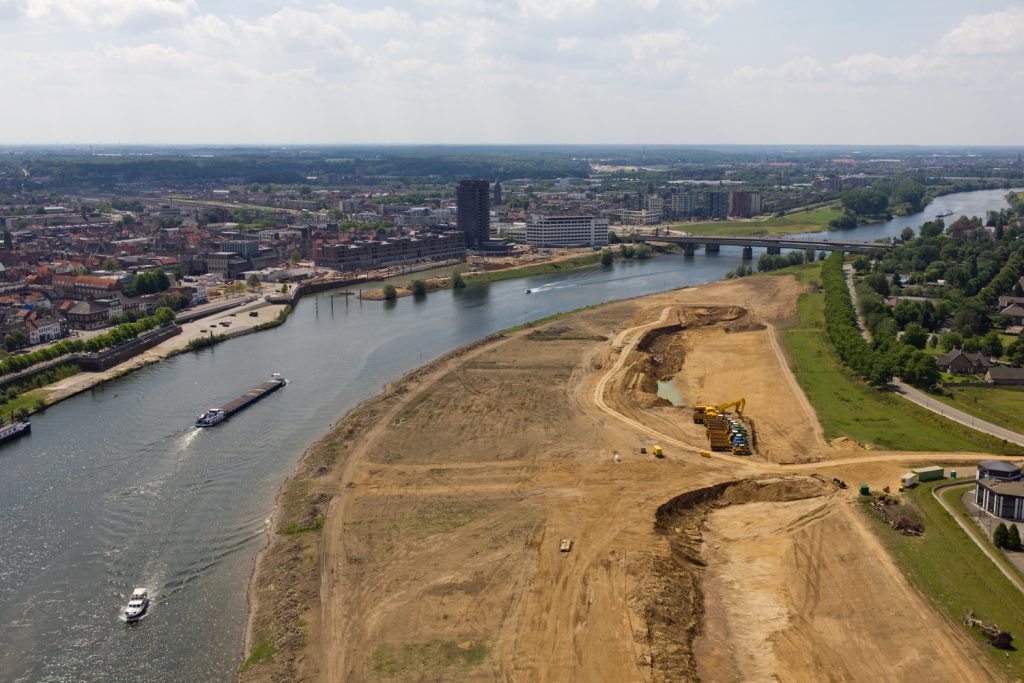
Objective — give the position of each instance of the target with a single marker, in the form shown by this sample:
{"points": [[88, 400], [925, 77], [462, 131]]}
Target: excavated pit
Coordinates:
{"points": [[667, 597], [660, 353]]}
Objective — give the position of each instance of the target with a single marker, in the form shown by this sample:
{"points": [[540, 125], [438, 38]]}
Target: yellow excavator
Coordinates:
{"points": [[701, 412]]}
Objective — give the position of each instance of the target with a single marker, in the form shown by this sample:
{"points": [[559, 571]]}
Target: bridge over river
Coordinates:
{"points": [[774, 245]]}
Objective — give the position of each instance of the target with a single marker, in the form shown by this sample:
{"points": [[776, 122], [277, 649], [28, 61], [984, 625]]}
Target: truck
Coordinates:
{"points": [[658, 453], [929, 473]]}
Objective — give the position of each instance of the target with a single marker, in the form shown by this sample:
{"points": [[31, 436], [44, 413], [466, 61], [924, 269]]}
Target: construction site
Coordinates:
{"points": [[529, 509]]}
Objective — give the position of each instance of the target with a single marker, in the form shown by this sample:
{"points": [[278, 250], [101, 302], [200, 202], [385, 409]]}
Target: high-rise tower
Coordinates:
{"points": [[474, 211]]}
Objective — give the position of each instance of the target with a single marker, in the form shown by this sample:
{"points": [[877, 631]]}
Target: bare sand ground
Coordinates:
{"points": [[443, 503]]}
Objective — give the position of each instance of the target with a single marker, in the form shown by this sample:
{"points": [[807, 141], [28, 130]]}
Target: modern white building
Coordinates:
{"points": [[641, 217], [566, 231]]}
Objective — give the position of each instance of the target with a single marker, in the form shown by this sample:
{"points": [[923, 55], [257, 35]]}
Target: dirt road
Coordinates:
{"points": [[444, 503]]}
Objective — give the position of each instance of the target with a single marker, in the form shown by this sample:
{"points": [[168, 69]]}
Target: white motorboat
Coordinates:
{"points": [[211, 417], [138, 603]]}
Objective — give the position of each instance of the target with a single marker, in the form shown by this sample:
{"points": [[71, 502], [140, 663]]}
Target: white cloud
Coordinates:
{"points": [[294, 29], [659, 53], [799, 69], [132, 14], [524, 66], [208, 31], [385, 19], [551, 10], [871, 67], [999, 32]]}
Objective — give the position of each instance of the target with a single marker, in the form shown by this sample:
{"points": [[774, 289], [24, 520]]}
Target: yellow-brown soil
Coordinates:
{"points": [[445, 500]]}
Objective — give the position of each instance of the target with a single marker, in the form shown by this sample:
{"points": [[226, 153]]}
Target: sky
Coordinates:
{"points": [[928, 72]]}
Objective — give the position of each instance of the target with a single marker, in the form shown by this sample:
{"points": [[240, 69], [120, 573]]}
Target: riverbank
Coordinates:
{"points": [[240, 323], [478, 464], [815, 220]]}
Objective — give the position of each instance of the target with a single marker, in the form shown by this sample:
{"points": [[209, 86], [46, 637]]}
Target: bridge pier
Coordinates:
{"points": [[774, 250], [748, 253], [711, 248], [688, 249]]}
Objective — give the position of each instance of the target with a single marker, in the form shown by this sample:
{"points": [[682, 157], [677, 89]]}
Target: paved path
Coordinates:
{"points": [[848, 272], [925, 401]]}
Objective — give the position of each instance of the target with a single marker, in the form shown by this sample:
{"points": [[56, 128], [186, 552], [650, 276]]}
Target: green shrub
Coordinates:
{"points": [[1013, 538], [1001, 536]]}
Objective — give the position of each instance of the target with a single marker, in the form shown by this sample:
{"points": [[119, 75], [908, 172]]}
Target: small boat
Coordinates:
{"points": [[529, 291], [943, 214], [138, 604], [211, 417], [14, 430]]}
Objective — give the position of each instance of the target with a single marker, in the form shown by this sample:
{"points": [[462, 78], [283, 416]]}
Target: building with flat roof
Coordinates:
{"points": [[744, 203], [999, 489], [474, 211], [566, 231], [411, 248]]}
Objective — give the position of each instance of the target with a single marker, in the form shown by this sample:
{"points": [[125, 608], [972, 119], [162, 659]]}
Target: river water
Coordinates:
{"points": [[115, 488]]}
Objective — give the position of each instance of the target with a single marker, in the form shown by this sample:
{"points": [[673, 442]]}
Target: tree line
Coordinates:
{"points": [[885, 357], [117, 336]]}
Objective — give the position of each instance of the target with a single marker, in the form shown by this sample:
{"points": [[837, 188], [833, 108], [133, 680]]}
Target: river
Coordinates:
{"points": [[115, 488]]}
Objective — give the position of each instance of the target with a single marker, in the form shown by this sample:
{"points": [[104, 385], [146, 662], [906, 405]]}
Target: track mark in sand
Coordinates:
{"points": [[802, 400], [620, 346]]}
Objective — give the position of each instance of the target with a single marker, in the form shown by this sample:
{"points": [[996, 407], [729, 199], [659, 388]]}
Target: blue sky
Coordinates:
{"points": [[512, 71]]}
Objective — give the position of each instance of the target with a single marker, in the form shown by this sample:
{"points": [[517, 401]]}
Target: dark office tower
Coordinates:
{"points": [[474, 211], [497, 193]]}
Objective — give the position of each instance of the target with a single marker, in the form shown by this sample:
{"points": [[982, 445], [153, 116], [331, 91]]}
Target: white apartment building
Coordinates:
{"points": [[641, 217], [566, 231]]}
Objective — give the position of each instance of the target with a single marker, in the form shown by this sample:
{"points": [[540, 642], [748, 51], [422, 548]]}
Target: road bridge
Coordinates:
{"points": [[774, 245]]}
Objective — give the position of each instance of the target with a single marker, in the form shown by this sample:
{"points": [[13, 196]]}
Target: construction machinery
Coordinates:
{"points": [[725, 433], [703, 412]]}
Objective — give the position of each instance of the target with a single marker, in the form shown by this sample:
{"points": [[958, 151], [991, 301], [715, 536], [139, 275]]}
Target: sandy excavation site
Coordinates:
{"points": [[444, 503]]}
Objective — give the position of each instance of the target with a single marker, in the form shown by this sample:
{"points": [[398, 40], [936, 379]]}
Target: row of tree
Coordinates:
{"points": [[121, 334], [884, 358], [1006, 537]]}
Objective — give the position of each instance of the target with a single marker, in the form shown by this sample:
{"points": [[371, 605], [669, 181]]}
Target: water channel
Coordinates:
{"points": [[115, 488]]}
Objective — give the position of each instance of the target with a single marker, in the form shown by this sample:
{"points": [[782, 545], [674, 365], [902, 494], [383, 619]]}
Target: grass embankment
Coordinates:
{"points": [[955, 576], [278, 320], [576, 263], [847, 406], [814, 220], [1003, 406], [262, 653], [25, 398]]}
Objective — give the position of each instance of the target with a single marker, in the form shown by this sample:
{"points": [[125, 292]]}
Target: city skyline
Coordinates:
{"points": [[468, 72]]}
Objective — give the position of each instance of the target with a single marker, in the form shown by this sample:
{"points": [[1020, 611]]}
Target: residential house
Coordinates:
{"points": [[85, 287], [44, 328], [959, 363], [1002, 376], [1006, 300], [93, 315], [1016, 313]]}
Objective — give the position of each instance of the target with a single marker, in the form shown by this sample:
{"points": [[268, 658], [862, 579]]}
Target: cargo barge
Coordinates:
{"points": [[14, 430], [215, 416]]}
